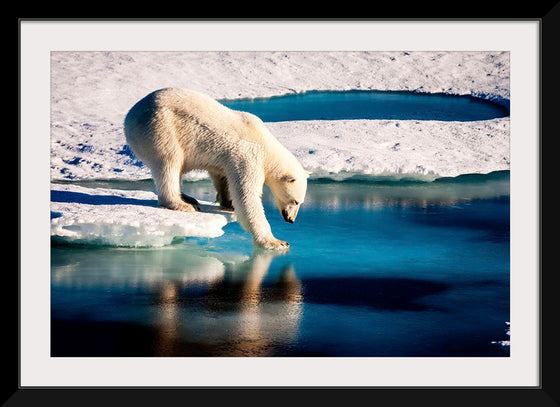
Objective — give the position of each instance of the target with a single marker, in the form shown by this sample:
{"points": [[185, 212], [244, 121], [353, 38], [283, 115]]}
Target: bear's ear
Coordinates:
{"points": [[288, 178]]}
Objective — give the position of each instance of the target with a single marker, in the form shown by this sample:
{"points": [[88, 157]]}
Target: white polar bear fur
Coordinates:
{"points": [[174, 131]]}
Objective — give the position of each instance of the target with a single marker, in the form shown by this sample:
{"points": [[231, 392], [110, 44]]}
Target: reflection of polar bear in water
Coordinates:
{"points": [[174, 131]]}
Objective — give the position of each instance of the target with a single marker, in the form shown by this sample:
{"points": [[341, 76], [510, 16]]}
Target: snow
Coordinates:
{"points": [[91, 93], [409, 148]]}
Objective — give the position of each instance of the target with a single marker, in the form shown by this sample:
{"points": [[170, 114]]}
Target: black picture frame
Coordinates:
{"points": [[547, 394]]}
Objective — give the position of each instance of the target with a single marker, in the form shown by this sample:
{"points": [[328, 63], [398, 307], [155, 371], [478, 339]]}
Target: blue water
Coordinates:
{"points": [[335, 105], [374, 269]]}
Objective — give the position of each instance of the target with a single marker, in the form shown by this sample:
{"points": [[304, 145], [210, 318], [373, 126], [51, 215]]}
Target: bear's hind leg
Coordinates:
{"points": [[168, 186], [222, 196]]}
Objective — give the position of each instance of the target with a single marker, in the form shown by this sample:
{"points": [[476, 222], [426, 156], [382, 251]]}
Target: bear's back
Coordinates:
{"points": [[193, 118]]}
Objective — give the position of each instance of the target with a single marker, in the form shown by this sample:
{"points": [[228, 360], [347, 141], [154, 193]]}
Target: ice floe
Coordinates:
{"points": [[126, 218]]}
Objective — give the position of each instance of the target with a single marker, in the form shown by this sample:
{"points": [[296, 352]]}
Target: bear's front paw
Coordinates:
{"points": [[274, 244]]}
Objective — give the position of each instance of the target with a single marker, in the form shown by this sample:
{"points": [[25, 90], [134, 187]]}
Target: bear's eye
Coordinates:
{"points": [[295, 202]]}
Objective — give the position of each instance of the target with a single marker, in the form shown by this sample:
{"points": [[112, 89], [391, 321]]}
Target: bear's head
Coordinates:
{"points": [[289, 191]]}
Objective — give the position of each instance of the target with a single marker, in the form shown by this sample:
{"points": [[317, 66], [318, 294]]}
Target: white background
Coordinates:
{"points": [[38, 39]]}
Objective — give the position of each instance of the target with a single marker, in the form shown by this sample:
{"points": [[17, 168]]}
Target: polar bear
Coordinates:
{"points": [[174, 131]]}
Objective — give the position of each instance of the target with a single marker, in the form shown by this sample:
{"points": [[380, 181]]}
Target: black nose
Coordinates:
{"points": [[285, 216]]}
